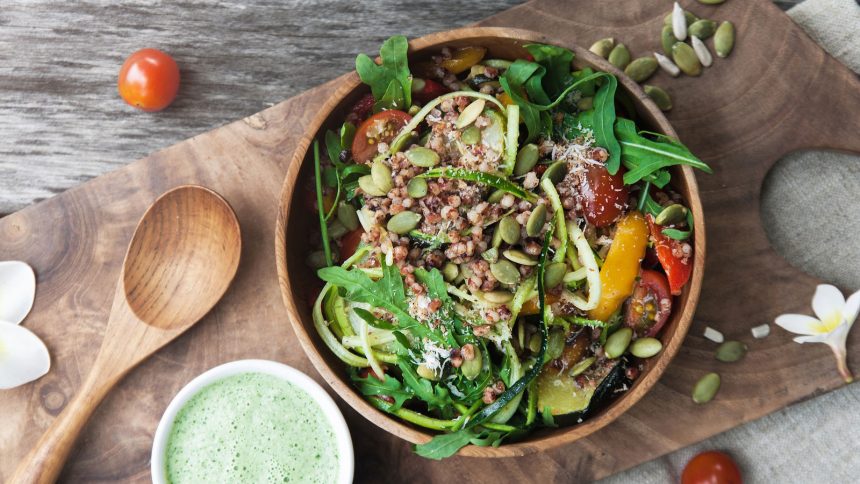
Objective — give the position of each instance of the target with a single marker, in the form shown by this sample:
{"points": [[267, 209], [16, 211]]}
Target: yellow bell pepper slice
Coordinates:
{"points": [[619, 271]]}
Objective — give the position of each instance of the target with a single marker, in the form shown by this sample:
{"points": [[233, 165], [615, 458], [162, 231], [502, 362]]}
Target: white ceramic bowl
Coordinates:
{"points": [[344, 441]]}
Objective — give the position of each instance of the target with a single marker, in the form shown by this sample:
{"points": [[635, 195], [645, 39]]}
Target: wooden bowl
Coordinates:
{"points": [[292, 243]]}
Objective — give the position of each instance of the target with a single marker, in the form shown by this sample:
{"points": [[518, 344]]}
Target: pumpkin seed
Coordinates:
{"points": [[527, 158], [619, 56], [403, 222], [703, 28], [336, 229], [706, 388], [519, 257], [679, 22], [724, 39], [711, 2], [553, 275], [555, 344], [347, 216], [646, 347], [667, 65], [555, 172], [603, 47], [585, 103], [686, 59], [497, 237], [536, 220], [671, 215], [505, 272], [381, 175], [491, 254], [316, 260], [472, 368], [470, 113], [498, 297], [731, 351], [417, 187], [425, 372], [510, 229], [667, 39], [534, 343], [421, 156], [403, 141], [659, 96], [690, 17], [471, 135], [582, 366], [450, 271], [702, 52], [641, 68], [617, 343], [496, 196], [367, 186]]}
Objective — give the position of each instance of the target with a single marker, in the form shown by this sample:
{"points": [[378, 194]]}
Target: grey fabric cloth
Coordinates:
{"points": [[812, 215]]}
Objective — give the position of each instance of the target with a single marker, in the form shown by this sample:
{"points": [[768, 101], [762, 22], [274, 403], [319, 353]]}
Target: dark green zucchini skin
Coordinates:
{"points": [[603, 395]]}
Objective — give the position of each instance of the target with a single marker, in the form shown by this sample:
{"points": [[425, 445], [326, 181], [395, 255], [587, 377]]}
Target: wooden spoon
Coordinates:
{"points": [[181, 260]]}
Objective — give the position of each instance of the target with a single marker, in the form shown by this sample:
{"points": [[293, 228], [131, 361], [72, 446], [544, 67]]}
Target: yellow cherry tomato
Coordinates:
{"points": [[619, 271], [464, 58]]}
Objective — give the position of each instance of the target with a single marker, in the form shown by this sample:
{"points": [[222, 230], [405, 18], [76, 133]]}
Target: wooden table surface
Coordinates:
{"points": [[62, 122]]}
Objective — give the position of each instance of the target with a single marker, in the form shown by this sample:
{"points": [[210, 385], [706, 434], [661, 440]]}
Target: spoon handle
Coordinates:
{"points": [[44, 463]]}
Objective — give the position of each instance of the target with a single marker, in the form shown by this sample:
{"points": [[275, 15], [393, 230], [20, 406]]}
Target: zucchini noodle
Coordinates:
{"points": [[558, 211], [592, 272]]}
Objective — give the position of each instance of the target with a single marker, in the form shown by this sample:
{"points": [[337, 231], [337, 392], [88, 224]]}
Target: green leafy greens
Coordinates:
{"points": [[390, 82]]}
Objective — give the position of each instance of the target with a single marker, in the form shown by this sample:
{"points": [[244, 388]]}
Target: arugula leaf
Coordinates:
{"points": [[372, 320], [556, 61], [489, 179], [680, 234], [390, 386], [435, 396], [445, 445], [604, 122], [392, 99], [437, 289], [333, 147], [643, 157], [395, 67]]}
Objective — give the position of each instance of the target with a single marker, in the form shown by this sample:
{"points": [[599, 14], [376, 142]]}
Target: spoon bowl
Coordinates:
{"points": [[181, 260]]}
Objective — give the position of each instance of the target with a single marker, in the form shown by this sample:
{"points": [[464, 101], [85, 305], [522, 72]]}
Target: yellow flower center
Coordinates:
{"points": [[829, 323]]}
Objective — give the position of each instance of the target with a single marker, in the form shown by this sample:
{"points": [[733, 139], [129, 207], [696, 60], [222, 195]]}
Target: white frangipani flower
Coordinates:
{"points": [[23, 356], [835, 317]]}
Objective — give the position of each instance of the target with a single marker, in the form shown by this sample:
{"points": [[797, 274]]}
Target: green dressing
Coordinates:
{"points": [[251, 427]]}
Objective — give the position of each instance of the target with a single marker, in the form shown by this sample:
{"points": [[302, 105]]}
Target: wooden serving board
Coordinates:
{"points": [[776, 93]]}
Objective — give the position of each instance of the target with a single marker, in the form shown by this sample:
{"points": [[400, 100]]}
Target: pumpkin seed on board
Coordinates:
{"points": [[367, 186], [731, 351], [553, 275], [470, 113], [421, 156], [711, 2], [505, 272], [619, 56], [403, 222], [498, 297], [702, 52], [646, 347], [510, 229], [536, 220], [381, 175], [672, 214], [724, 39], [417, 187], [555, 172], [603, 47], [519, 257], [527, 158], [347, 216], [641, 69], [667, 65], [617, 342], [703, 28], [706, 388], [686, 59], [667, 39]]}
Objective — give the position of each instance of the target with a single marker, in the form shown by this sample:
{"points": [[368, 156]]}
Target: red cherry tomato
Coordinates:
{"points": [[650, 305], [429, 90], [602, 196], [349, 243], [149, 80], [678, 269], [380, 128], [711, 467]]}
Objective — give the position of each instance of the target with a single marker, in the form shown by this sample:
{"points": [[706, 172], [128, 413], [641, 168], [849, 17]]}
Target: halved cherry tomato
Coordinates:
{"points": [[463, 58], [678, 269], [349, 243], [426, 90], [711, 467], [602, 196], [149, 80], [380, 128], [650, 304], [361, 110]]}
